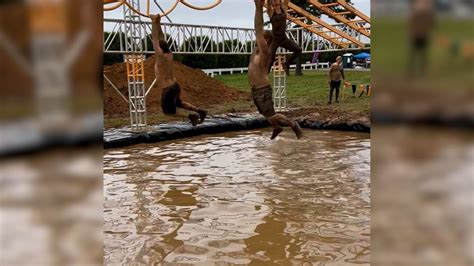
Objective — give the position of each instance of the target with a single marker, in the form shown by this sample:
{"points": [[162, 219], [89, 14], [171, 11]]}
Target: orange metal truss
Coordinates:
{"points": [[135, 68], [332, 33], [355, 24], [136, 86]]}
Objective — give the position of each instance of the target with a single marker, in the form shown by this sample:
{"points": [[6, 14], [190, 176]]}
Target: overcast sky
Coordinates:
{"points": [[231, 13]]}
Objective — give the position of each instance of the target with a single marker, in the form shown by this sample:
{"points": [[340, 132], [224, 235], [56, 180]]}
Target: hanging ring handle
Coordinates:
{"points": [[201, 8]]}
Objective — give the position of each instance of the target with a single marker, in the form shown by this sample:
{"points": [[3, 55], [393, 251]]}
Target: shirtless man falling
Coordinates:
{"points": [[258, 77], [171, 104]]}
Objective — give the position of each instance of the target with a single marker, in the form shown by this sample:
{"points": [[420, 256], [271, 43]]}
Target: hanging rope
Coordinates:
{"points": [[119, 3], [148, 4], [201, 8]]}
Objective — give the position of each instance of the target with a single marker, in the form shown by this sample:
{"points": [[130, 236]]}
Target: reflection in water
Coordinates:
{"points": [[423, 187], [240, 198], [48, 208]]}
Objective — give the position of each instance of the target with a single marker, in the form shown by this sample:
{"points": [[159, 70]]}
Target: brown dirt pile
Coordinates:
{"points": [[196, 88]]}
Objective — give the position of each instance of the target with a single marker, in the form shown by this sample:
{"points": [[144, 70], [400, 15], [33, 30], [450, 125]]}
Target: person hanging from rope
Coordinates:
{"points": [[277, 11], [259, 81], [171, 103]]}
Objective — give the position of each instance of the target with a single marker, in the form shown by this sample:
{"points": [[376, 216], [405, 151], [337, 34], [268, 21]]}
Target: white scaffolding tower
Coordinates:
{"points": [[134, 57], [279, 83], [51, 78]]}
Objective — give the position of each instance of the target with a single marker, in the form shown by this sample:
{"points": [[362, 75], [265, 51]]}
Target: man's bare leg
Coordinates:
{"points": [[202, 113], [276, 127], [188, 106], [183, 113], [285, 121]]}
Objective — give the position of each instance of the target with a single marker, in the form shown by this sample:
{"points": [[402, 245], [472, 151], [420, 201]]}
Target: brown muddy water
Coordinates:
{"points": [[50, 208], [240, 198]]}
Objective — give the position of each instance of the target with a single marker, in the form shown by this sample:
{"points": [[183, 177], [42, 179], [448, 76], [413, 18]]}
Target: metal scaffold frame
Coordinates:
{"points": [[51, 78], [52, 56], [361, 23], [133, 57], [329, 32], [222, 40], [279, 83]]}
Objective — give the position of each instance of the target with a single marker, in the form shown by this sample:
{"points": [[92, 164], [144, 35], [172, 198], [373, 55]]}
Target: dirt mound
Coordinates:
{"points": [[196, 88], [329, 114]]}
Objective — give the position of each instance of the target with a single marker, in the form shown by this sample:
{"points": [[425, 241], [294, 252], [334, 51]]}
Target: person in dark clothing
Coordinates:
{"points": [[422, 22], [277, 11], [335, 78]]}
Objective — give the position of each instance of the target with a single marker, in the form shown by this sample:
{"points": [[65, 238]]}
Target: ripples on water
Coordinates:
{"points": [[49, 208], [240, 198]]}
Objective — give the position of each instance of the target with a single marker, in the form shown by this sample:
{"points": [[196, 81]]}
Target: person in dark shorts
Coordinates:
{"points": [[276, 10], [170, 99], [422, 22], [263, 99], [171, 103], [258, 78], [335, 78]]}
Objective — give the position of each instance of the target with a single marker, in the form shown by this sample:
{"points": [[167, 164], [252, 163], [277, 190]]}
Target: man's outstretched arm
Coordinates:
{"points": [[329, 74], [156, 33], [259, 32], [269, 8], [285, 5]]}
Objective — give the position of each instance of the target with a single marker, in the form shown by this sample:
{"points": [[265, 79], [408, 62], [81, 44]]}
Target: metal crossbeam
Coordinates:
{"points": [[201, 39], [319, 32], [353, 10], [332, 33], [362, 27]]}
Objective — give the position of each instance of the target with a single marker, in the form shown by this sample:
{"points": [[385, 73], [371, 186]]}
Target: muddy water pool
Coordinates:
{"points": [[240, 198]]}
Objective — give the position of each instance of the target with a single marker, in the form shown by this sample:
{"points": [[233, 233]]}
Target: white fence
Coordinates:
{"points": [[220, 71]]}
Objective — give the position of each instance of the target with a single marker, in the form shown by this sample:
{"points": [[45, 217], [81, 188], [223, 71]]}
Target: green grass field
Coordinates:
{"points": [[446, 69], [311, 88], [303, 91]]}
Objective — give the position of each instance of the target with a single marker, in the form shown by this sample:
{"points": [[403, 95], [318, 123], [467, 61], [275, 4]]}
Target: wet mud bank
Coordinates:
{"points": [[424, 107], [331, 118], [121, 137], [429, 118], [356, 125], [29, 136], [307, 118]]}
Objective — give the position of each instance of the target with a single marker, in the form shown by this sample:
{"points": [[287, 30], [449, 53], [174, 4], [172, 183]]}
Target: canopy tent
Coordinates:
{"points": [[362, 56]]}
